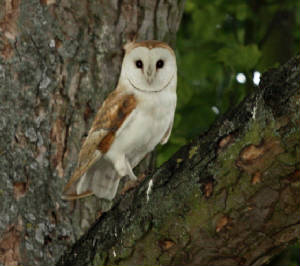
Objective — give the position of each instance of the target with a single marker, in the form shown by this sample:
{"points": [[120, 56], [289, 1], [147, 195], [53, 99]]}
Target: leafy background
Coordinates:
{"points": [[221, 46]]}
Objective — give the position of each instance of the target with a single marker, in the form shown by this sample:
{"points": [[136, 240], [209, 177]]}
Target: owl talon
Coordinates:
{"points": [[132, 177]]}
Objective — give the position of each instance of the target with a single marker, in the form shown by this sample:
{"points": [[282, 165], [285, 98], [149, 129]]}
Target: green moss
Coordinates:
{"points": [[255, 132], [124, 252], [129, 240], [148, 248], [134, 233], [226, 161], [99, 259], [29, 226], [246, 187], [179, 160], [227, 170], [165, 258], [277, 169], [193, 151], [199, 213], [287, 158], [291, 138], [236, 198]]}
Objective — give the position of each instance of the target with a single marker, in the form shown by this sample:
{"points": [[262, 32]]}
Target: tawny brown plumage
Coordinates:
{"points": [[148, 44], [109, 118]]}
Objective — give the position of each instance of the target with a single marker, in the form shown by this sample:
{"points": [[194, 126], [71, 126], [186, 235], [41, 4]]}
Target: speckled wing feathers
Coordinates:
{"points": [[114, 111]]}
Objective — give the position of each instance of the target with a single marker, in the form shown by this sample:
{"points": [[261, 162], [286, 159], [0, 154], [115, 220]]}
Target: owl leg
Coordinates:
{"points": [[123, 168], [132, 176]]}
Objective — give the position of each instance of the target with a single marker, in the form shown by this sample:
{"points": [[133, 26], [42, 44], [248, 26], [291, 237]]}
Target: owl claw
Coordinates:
{"points": [[132, 177]]}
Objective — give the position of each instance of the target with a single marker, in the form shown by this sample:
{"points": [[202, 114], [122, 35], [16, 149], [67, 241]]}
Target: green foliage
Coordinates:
{"points": [[217, 40], [239, 57]]}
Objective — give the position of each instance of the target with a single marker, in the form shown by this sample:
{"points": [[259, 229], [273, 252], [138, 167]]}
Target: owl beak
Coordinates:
{"points": [[149, 74]]}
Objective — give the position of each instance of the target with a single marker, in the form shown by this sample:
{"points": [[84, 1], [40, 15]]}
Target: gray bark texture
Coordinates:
{"points": [[230, 197], [58, 60]]}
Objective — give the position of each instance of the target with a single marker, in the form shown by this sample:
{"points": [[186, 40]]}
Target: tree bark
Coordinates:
{"points": [[230, 197], [58, 60]]}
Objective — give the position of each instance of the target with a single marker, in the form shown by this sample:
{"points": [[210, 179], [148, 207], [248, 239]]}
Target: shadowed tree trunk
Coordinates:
{"points": [[58, 60], [231, 197]]}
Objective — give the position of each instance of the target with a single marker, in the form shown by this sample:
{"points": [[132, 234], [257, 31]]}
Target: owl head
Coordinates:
{"points": [[149, 66]]}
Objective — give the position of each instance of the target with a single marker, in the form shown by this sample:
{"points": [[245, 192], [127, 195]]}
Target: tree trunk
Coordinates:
{"points": [[231, 197], [58, 61]]}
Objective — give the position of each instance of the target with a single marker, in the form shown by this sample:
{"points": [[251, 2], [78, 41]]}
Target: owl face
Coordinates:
{"points": [[149, 69]]}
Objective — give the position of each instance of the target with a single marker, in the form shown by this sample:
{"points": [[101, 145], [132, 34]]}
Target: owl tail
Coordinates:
{"points": [[101, 180], [105, 182]]}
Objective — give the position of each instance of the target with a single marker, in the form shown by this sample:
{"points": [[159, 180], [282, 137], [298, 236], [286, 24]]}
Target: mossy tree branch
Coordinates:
{"points": [[230, 197]]}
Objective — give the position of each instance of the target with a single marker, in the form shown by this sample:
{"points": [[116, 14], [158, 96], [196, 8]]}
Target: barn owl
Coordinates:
{"points": [[133, 119]]}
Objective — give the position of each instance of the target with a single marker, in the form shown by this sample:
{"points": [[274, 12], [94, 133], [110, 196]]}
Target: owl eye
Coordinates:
{"points": [[159, 63], [139, 64]]}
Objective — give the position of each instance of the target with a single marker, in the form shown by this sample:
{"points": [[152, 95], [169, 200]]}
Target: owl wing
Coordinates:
{"points": [[111, 115], [166, 136]]}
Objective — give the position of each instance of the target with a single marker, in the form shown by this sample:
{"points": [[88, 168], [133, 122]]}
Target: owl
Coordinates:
{"points": [[133, 119]]}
